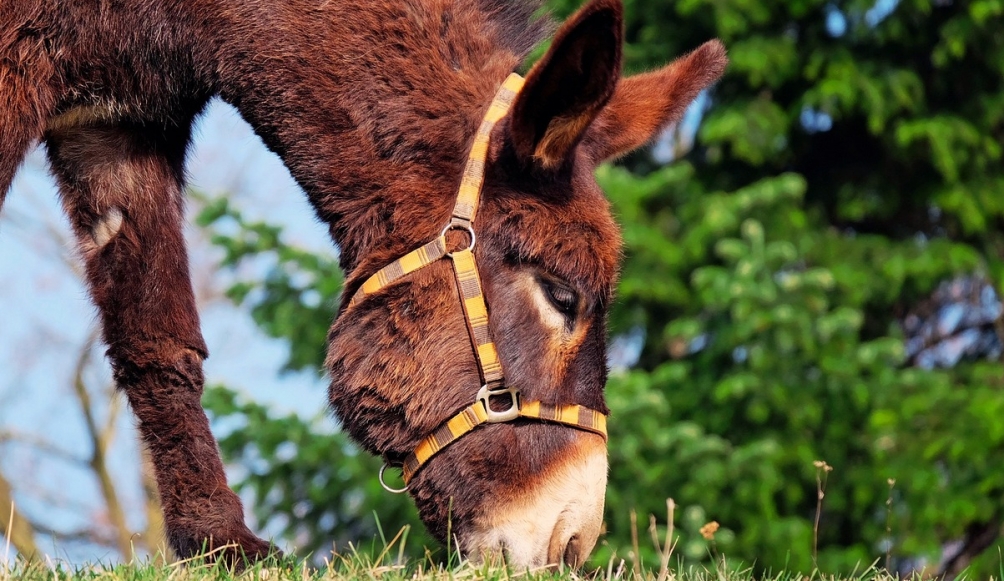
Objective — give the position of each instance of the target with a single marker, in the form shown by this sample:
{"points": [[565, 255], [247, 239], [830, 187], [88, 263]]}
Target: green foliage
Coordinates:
{"points": [[296, 296], [945, 434], [310, 485], [849, 161], [758, 361], [769, 302]]}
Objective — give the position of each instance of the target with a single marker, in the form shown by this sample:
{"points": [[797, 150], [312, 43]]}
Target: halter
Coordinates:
{"points": [[493, 385]]}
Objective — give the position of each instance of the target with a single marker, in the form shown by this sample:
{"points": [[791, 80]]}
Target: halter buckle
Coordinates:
{"points": [[507, 415]]}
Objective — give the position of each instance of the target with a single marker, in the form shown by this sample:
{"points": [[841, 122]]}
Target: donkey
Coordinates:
{"points": [[377, 109]]}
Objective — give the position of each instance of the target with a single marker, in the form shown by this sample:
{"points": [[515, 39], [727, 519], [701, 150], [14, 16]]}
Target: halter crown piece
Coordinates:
{"points": [[475, 312]]}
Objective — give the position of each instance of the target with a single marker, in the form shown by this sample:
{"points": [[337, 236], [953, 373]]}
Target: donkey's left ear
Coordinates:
{"points": [[569, 86], [644, 104]]}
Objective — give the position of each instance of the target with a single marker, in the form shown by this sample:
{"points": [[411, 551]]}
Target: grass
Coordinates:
{"points": [[357, 567], [387, 562], [389, 565]]}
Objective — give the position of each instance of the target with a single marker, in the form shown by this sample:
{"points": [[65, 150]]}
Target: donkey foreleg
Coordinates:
{"points": [[122, 189], [25, 105]]}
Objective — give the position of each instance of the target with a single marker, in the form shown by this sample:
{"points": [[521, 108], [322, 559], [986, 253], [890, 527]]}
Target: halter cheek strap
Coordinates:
{"points": [[493, 386]]}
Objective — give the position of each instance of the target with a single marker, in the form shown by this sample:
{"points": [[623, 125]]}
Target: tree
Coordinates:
{"points": [[99, 404], [848, 164], [17, 529]]}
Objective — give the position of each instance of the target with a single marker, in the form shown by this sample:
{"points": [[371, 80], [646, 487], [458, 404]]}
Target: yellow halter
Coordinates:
{"points": [[475, 312]]}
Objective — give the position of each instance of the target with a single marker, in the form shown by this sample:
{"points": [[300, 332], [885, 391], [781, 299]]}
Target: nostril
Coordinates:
{"points": [[573, 552]]}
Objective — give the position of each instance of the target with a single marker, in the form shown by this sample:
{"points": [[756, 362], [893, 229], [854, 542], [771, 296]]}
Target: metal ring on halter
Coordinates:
{"points": [[386, 486], [455, 226]]}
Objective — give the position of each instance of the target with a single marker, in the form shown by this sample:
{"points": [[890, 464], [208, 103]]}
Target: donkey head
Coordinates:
{"points": [[547, 249]]}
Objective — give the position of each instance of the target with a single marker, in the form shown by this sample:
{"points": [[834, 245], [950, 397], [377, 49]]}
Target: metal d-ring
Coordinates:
{"points": [[459, 226], [386, 486]]}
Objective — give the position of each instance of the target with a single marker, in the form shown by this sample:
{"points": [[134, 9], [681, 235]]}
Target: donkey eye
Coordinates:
{"points": [[563, 298]]}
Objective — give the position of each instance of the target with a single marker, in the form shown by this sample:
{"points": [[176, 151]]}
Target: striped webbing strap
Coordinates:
{"points": [[388, 275], [475, 310], [476, 414]]}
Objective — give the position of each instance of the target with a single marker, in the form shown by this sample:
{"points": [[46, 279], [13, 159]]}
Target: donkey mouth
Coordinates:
{"points": [[556, 522]]}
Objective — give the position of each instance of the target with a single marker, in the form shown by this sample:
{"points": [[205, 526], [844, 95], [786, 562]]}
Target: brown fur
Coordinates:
{"points": [[372, 106], [548, 118], [641, 105]]}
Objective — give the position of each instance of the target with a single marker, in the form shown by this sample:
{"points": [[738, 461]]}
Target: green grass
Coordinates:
{"points": [[386, 561], [389, 565], [345, 569]]}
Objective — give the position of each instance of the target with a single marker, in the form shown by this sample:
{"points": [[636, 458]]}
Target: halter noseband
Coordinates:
{"points": [[475, 313]]}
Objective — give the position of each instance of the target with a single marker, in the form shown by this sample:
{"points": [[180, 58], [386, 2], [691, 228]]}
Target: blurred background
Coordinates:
{"points": [[810, 302]]}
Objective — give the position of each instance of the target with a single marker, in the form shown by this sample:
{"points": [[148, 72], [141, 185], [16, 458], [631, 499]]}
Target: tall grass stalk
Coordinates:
{"points": [[665, 549], [822, 471], [635, 550], [888, 523], [8, 533]]}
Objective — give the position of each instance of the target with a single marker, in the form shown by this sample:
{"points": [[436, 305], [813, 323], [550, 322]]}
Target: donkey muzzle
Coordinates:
{"points": [[557, 519]]}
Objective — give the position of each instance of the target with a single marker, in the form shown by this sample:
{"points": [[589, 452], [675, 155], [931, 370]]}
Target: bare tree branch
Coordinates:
{"points": [[999, 323], [89, 535], [154, 537], [15, 527], [979, 536], [41, 445], [100, 440]]}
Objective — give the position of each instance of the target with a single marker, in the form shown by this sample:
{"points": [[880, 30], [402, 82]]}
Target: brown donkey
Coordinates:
{"points": [[375, 106]]}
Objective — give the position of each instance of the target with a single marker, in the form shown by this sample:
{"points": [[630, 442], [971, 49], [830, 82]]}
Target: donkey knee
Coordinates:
{"points": [[177, 372]]}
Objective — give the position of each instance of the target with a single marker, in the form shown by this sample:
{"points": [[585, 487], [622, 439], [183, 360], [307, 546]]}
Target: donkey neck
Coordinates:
{"points": [[372, 105]]}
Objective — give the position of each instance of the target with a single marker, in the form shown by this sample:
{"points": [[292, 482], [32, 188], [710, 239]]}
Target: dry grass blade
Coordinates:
{"points": [[888, 523], [822, 471], [635, 551], [667, 550], [7, 535]]}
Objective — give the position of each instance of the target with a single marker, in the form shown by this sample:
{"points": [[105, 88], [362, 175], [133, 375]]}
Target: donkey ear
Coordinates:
{"points": [[644, 104], [569, 86]]}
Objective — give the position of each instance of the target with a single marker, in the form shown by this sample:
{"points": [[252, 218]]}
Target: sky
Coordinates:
{"points": [[46, 318]]}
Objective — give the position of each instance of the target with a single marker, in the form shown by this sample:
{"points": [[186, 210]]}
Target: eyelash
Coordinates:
{"points": [[563, 298]]}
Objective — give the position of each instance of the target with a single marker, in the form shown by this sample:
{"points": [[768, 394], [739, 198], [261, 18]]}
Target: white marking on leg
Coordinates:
{"points": [[107, 227]]}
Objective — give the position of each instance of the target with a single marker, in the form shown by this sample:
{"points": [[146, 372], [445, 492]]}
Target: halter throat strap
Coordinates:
{"points": [[472, 299]]}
